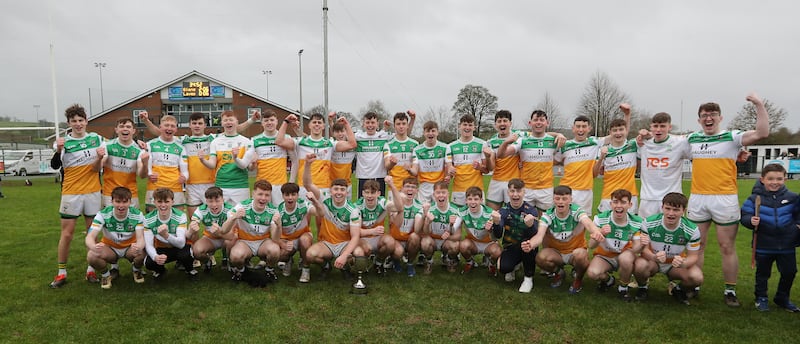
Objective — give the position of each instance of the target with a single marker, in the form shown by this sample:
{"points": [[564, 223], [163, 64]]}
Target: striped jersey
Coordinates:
{"points": [[198, 173], [441, 220], [620, 169], [578, 158], [254, 225], [295, 223], [369, 154], [176, 221], [77, 157], [476, 224], [621, 237], [714, 162], [661, 166], [227, 173], [462, 155], [506, 168], [563, 232], [270, 159], [168, 159], [410, 213], [336, 223], [342, 165], [686, 237], [431, 161], [321, 167], [118, 233], [204, 215], [404, 152], [536, 155], [121, 166]]}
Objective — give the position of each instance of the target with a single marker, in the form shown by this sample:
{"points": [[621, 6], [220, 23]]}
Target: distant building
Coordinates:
{"points": [[193, 92]]}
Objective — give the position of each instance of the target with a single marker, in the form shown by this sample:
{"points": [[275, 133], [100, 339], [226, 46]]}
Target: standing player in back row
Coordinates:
{"points": [[270, 158], [506, 168], [430, 162], [81, 156], [230, 156], [168, 164], [536, 152], [370, 151], [661, 164], [399, 150], [468, 159], [714, 189], [578, 156], [617, 163]]}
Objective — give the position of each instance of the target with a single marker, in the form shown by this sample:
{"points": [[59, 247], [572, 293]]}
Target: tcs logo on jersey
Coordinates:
{"points": [[657, 162]]}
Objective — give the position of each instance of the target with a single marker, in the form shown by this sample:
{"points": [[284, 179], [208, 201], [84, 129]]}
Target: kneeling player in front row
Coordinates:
{"points": [[617, 244], [516, 224], [295, 233], [258, 230], [405, 223], [165, 235], [565, 242], [441, 230], [375, 240], [340, 227], [212, 215], [476, 219], [122, 226], [671, 245]]}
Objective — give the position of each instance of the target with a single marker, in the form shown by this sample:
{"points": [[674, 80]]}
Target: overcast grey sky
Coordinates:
{"points": [[409, 54]]}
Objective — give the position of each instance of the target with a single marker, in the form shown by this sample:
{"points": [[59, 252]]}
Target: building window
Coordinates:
{"points": [[183, 111]]}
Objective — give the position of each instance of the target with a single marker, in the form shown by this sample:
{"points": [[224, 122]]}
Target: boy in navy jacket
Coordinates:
{"points": [[775, 236]]}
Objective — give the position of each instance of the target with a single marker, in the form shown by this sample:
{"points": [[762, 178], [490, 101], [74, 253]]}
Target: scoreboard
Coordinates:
{"points": [[196, 89]]}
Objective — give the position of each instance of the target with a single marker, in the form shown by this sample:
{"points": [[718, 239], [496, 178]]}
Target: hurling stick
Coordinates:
{"points": [[755, 235]]}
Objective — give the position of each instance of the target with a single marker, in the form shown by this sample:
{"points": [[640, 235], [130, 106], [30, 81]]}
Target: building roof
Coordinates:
{"points": [[185, 76]]}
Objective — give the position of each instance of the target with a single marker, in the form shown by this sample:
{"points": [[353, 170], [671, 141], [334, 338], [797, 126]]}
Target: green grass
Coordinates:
{"points": [[438, 308]]}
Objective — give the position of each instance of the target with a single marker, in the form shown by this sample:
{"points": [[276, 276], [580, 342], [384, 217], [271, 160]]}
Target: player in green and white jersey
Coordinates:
{"points": [[565, 242], [441, 230], [211, 215], [430, 162], [270, 158], [165, 235], [467, 159], [230, 156], [616, 244], [122, 227], [258, 231], [504, 169], [296, 233], [399, 150], [476, 219], [375, 239], [370, 150], [405, 226], [672, 247]]}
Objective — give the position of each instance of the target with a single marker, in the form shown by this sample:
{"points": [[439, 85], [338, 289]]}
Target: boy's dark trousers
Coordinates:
{"points": [[787, 267], [182, 255]]}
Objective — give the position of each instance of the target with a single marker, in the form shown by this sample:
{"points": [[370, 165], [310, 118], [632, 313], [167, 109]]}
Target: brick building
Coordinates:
{"points": [[193, 92]]}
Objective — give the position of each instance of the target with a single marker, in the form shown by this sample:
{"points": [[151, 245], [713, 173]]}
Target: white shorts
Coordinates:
{"points": [[540, 198], [324, 193], [585, 199], [614, 262], [216, 243], [120, 252], [253, 244], [437, 244], [481, 246], [76, 205], [336, 249], [179, 199], [425, 192], [277, 195], [664, 268], [196, 194], [566, 258], [107, 201], [235, 196], [498, 192], [605, 205], [722, 209], [649, 207], [372, 242]]}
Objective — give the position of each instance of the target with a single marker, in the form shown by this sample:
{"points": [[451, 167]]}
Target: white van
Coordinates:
{"points": [[25, 162]]}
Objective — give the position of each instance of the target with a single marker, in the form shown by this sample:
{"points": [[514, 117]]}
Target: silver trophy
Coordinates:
{"points": [[359, 265]]}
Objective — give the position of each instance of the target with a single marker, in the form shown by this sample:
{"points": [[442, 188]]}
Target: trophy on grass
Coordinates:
{"points": [[359, 265]]}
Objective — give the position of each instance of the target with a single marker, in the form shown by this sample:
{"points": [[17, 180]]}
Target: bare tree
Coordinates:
{"points": [[448, 124], [550, 107], [746, 117], [600, 102], [477, 101], [377, 107]]}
